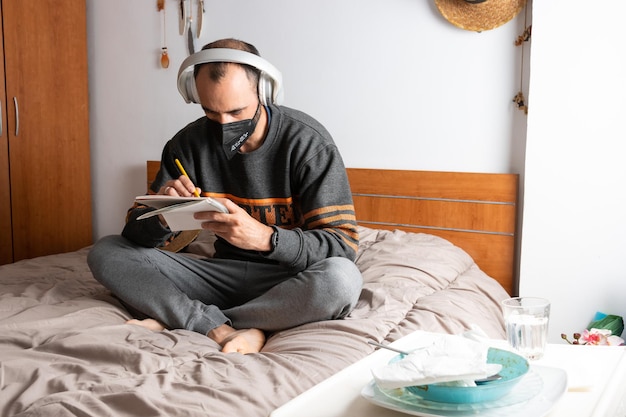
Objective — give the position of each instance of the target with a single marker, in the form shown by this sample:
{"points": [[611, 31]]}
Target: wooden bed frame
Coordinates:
{"points": [[477, 212]]}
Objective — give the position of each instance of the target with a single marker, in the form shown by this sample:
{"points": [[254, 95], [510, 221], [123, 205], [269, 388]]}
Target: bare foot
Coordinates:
{"points": [[241, 341], [244, 341], [151, 324]]}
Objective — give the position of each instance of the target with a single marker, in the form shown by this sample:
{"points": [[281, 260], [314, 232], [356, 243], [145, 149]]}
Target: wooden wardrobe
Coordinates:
{"points": [[45, 185]]}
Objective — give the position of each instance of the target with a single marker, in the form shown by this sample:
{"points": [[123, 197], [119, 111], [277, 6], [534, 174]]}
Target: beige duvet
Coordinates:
{"points": [[65, 349]]}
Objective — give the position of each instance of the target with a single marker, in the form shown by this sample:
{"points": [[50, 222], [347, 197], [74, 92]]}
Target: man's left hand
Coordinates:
{"points": [[237, 227]]}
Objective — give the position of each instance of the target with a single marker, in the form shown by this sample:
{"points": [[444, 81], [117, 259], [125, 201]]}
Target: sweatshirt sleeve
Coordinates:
{"points": [[149, 232], [329, 222]]}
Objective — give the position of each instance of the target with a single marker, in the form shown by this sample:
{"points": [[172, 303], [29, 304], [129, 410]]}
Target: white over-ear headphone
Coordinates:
{"points": [[270, 80]]}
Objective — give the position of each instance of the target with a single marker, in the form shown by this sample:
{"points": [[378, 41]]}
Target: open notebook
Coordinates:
{"points": [[179, 211]]}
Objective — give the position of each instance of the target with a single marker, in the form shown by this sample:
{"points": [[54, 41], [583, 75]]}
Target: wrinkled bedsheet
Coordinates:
{"points": [[65, 349]]}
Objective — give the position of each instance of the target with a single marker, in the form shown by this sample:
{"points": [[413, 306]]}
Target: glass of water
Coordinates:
{"points": [[526, 320]]}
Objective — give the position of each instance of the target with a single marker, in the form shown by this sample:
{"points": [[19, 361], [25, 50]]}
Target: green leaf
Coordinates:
{"points": [[611, 322]]}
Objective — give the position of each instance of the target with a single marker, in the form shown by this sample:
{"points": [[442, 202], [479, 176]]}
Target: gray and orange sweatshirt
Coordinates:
{"points": [[296, 181]]}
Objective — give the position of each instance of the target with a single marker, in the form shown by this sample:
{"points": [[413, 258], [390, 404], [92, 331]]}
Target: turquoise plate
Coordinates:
{"points": [[514, 367]]}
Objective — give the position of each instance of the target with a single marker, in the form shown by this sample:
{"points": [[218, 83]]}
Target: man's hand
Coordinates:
{"points": [[237, 227], [179, 187]]}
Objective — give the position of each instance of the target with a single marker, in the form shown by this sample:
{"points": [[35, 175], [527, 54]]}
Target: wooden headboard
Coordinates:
{"points": [[477, 212]]}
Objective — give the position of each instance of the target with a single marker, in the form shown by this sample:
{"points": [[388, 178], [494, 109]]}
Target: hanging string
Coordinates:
{"points": [[519, 98], [165, 59]]}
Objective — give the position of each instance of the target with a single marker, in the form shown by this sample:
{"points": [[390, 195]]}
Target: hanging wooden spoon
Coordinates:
{"points": [[165, 59]]}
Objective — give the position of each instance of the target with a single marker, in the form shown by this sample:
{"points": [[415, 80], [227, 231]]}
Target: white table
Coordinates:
{"points": [[596, 384]]}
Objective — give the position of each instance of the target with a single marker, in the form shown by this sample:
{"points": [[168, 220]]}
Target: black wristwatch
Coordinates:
{"points": [[274, 239]]}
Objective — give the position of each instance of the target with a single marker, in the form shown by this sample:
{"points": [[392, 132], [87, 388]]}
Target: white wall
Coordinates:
{"points": [[394, 82], [574, 234], [400, 87]]}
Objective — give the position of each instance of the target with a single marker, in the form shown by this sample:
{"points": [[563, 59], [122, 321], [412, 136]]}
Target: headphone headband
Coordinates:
{"points": [[270, 80]]}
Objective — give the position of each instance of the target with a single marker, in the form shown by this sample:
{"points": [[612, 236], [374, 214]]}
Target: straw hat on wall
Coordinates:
{"points": [[479, 15]]}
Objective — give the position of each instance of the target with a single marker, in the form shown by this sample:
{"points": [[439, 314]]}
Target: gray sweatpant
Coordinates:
{"points": [[200, 294]]}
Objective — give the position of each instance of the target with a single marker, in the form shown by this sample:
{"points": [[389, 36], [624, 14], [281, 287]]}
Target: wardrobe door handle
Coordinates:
{"points": [[17, 116], [0, 118]]}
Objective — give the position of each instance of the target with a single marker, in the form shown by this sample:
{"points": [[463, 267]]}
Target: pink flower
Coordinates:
{"points": [[600, 337]]}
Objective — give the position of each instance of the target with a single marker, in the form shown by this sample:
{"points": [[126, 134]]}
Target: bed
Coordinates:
{"points": [[436, 253]]}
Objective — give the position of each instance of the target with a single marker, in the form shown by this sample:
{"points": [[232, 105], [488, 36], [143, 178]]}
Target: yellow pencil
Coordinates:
{"points": [[183, 172]]}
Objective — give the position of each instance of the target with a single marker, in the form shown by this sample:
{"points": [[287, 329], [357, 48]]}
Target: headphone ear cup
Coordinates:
{"points": [[266, 89], [187, 87], [192, 90]]}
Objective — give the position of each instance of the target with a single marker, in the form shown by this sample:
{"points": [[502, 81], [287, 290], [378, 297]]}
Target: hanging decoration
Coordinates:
{"points": [[479, 15], [190, 44], [519, 99], [524, 37], [185, 21], [164, 58], [185, 26], [200, 17]]}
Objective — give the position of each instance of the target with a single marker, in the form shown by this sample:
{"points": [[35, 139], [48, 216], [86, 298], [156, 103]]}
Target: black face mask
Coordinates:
{"points": [[235, 134]]}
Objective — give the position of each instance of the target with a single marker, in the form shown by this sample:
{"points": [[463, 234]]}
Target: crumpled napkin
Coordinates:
{"points": [[447, 358]]}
